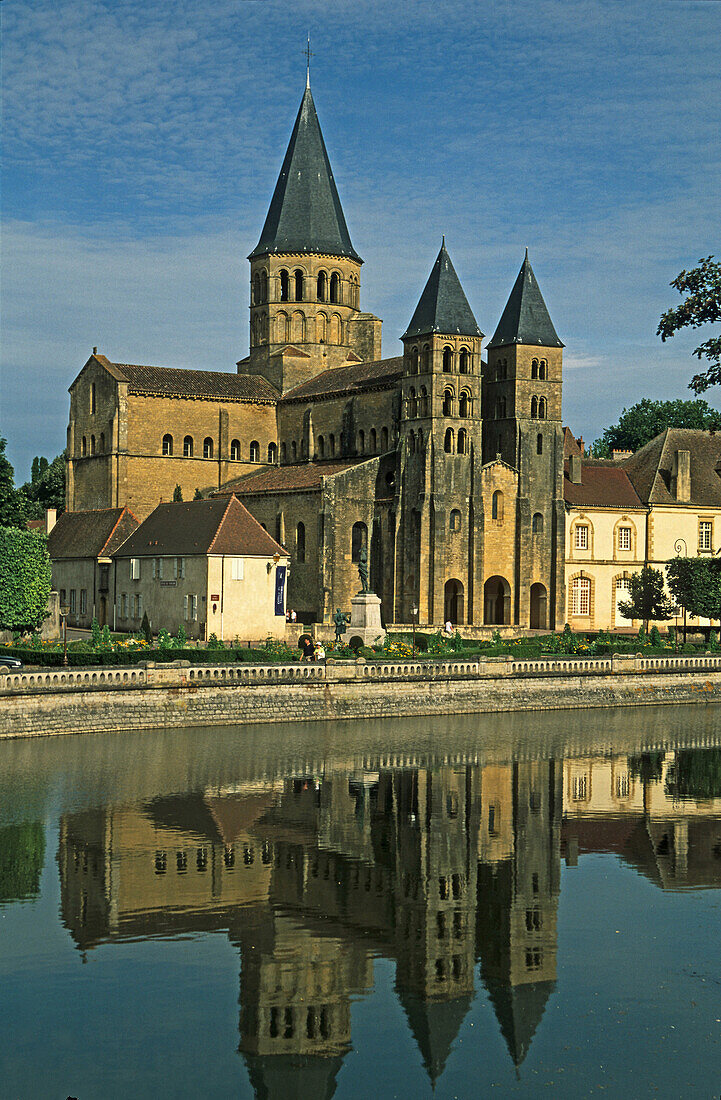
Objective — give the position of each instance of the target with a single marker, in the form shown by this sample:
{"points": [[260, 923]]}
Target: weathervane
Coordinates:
{"points": [[308, 55]]}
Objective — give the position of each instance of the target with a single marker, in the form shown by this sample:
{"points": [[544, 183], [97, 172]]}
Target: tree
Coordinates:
{"points": [[696, 585], [198, 495], [24, 579], [177, 493], [22, 855], [13, 507], [695, 773], [648, 599], [647, 419], [702, 306], [46, 488]]}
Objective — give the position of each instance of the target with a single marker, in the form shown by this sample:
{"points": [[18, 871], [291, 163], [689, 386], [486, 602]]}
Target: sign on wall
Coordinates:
{"points": [[280, 590]]}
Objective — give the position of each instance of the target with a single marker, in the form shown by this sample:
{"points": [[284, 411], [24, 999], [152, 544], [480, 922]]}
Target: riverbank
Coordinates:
{"points": [[179, 694]]}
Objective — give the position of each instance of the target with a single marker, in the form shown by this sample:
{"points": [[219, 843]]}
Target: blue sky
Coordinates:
{"points": [[143, 142]]}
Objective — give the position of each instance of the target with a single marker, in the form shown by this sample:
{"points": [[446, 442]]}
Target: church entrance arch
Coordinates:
{"points": [[453, 602], [496, 601], [539, 604]]}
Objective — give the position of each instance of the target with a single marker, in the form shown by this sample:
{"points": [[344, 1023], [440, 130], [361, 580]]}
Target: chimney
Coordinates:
{"points": [[51, 518], [681, 476], [574, 469], [95, 351], [581, 445], [618, 456]]}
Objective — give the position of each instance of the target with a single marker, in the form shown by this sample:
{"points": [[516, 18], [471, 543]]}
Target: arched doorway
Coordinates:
{"points": [[539, 602], [453, 602], [496, 601]]}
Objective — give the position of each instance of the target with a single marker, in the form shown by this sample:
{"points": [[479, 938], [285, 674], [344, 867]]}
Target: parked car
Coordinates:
{"points": [[10, 662]]}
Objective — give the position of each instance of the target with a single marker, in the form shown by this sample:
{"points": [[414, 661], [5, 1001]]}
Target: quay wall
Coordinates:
{"points": [[86, 700]]}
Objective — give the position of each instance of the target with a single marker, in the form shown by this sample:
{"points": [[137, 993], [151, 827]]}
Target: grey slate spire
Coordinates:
{"points": [[443, 307], [525, 320], [305, 213]]}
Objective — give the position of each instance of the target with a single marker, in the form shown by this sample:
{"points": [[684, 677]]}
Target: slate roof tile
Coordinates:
{"points": [[215, 526], [525, 320], [443, 307], [302, 477], [355, 377], [182, 382], [91, 534]]}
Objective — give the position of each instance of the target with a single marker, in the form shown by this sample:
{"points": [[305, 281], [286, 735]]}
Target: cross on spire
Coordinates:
{"points": [[308, 54]]}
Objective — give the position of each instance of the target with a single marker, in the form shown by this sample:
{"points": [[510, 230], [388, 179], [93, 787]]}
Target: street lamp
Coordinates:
{"points": [[415, 615], [678, 546], [64, 612]]}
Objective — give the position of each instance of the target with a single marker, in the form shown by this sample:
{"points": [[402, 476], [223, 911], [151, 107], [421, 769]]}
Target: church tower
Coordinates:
{"points": [[305, 311], [522, 426], [440, 444]]}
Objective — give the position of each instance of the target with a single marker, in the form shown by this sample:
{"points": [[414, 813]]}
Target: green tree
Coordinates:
{"points": [[696, 773], [695, 583], [648, 599], [647, 419], [198, 495], [24, 579], [22, 855], [701, 306], [13, 507], [46, 488], [177, 493]]}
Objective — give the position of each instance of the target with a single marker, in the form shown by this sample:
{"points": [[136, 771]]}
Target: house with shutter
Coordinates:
{"points": [[206, 565]]}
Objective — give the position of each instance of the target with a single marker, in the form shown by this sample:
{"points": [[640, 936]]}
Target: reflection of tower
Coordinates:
{"points": [[518, 899], [435, 883]]}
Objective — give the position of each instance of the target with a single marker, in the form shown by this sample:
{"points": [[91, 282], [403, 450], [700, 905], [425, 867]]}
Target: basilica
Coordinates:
{"points": [[445, 462]]}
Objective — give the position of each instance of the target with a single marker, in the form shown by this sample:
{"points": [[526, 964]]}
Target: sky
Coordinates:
{"points": [[142, 143]]}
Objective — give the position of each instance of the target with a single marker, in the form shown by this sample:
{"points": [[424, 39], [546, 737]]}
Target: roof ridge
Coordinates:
{"points": [[115, 527]]}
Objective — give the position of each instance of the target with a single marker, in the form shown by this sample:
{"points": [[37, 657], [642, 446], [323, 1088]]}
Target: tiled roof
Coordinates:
{"points": [[349, 379], [526, 320], [94, 534], [603, 485], [214, 526], [305, 213], [443, 307], [650, 467], [177, 381], [570, 444], [280, 479]]}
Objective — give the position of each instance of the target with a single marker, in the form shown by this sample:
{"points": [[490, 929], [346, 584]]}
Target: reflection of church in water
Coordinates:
{"points": [[315, 875]]}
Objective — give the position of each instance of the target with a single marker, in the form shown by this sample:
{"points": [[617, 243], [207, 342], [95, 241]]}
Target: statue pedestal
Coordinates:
{"points": [[365, 619]]}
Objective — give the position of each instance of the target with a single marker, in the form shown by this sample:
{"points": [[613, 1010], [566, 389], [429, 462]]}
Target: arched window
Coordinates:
{"points": [[272, 452], [373, 442], [448, 441], [255, 451], [282, 328], [537, 524], [463, 361], [534, 369], [256, 289], [500, 410], [497, 506], [207, 447], [543, 370], [331, 445], [426, 358], [322, 286], [320, 446], [462, 441], [412, 442], [335, 329], [539, 444], [412, 403], [293, 451], [235, 450], [92, 444], [188, 447], [335, 287], [264, 286], [359, 538], [298, 327], [101, 446], [300, 542], [414, 360], [303, 448], [448, 402], [447, 360], [534, 408], [322, 324], [167, 444], [284, 286], [283, 452], [423, 401], [361, 442], [92, 397], [420, 439], [542, 408], [298, 287], [384, 440], [84, 447], [464, 404], [455, 524]]}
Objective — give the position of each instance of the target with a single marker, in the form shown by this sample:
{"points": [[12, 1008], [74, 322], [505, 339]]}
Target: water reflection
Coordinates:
{"points": [[22, 855], [438, 868]]}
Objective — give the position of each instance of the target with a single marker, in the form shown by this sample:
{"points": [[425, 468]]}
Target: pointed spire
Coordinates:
{"points": [[443, 307], [525, 319], [305, 213]]}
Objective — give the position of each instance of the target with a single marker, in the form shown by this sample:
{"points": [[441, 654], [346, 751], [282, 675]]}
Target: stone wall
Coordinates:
{"points": [[180, 695]]}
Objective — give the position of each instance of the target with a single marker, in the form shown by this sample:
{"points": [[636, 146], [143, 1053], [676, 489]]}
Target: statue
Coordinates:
{"points": [[363, 569], [340, 621]]}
